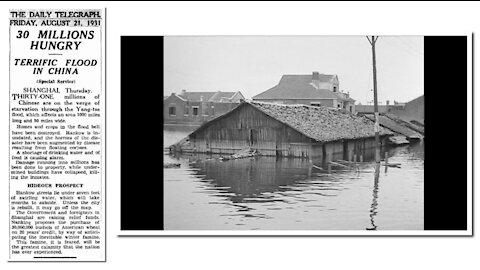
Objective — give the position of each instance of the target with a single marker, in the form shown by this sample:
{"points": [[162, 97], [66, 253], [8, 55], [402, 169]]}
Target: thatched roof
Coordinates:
{"points": [[321, 123]]}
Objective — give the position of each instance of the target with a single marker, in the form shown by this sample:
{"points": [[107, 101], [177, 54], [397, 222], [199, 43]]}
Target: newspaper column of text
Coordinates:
{"points": [[56, 135]]}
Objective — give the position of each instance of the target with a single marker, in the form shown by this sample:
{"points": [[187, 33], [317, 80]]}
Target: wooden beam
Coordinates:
{"points": [[316, 167], [392, 164], [339, 164]]}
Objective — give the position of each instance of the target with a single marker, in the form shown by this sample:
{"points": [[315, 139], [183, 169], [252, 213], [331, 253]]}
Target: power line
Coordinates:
{"points": [[409, 44], [402, 46], [396, 46]]}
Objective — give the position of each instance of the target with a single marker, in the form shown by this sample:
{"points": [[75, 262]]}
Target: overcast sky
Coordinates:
{"points": [[253, 64]]}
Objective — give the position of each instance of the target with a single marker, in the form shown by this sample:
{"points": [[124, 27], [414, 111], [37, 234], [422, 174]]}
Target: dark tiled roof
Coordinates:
{"points": [[324, 77], [195, 96], [321, 123], [345, 98], [298, 87], [207, 96], [217, 97], [350, 99]]}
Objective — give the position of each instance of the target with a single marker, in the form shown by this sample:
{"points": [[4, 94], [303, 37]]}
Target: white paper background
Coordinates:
{"points": [[247, 19], [88, 78]]}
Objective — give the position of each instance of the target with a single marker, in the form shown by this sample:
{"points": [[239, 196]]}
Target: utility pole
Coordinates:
{"points": [[372, 41]]}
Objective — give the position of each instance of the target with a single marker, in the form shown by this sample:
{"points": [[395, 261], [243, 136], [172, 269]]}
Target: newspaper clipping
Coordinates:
{"points": [[56, 145]]}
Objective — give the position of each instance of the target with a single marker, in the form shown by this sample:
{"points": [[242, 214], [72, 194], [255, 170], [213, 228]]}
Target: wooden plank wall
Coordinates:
{"points": [[248, 128]]}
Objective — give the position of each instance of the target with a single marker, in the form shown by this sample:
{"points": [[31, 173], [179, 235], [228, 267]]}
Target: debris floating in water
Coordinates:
{"points": [[242, 154], [171, 165]]}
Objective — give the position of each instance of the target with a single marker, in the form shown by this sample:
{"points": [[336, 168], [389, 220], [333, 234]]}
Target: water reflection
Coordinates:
{"points": [[373, 207], [272, 182], [255, 179], [285, 193]]}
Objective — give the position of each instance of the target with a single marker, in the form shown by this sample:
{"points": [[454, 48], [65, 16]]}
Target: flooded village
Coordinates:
{"points": [[299, 155]]}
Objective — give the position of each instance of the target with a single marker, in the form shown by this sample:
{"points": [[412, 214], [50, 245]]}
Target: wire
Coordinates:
{"points": [[408, 43], [402, 46]]}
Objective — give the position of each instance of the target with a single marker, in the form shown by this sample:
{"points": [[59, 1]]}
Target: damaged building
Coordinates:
{"points": [[285, 131]]}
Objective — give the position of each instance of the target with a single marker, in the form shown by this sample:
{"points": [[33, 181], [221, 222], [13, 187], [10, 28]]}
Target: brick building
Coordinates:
{"points": [[198, 107]]}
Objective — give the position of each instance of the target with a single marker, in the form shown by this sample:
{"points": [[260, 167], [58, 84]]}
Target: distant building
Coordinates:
{"points": [[396, 103], [412, 111], [314, 90], [368, 109], [198, 107]]}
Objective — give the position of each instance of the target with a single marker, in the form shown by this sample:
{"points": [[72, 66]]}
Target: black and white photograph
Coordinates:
{"points": [[294, 133]]}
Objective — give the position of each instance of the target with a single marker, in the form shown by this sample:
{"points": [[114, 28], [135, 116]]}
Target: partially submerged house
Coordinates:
{"points": [[398, 126], [314, 89], [285, 130]]}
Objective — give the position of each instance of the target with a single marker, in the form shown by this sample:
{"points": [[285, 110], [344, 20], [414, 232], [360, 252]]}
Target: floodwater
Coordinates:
{"points": [[266, 193]]}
